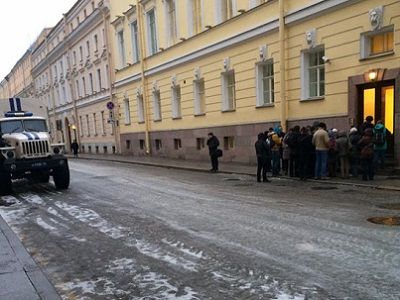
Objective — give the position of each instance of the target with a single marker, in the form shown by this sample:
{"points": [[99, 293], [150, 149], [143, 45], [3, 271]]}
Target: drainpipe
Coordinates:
{"points": [[142, 58], [111, 80], [282, 69]]}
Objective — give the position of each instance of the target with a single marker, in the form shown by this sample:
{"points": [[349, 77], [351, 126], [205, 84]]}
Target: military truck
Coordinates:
{"points": [[26, 151]]}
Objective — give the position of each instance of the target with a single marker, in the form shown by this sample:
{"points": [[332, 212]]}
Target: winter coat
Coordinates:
{"points": [[212, 144], [304, 145], [354, 138], [277, 142], [75, 147], [366, 145], [321, 140], [262, 149], [343, 146]]}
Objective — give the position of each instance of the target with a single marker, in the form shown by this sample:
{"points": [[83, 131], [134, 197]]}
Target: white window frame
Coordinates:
{"points": [[260, 87], [305, 74], [127, 111], [121, 48], [365, 42], [199, 97], [152, 44], [171, 28], [227, 103], [222, 7], [157, 105], [176, 94], [140, 108], [195, 21], [135, 41]]}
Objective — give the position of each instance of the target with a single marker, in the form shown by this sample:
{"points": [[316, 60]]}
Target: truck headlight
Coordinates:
{"points": [[56, 150], [10, 154]]}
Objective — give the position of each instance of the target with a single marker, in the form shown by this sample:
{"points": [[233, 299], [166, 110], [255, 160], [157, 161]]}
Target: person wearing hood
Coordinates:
{"points": [[366, 125], [343, 152], [276, 154], [380, 144], [367, 155], [305, 151], [354, 138], [263, 156]]}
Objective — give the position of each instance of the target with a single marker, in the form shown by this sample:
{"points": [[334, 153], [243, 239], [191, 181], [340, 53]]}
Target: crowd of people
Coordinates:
{"points": [[315, 152]]}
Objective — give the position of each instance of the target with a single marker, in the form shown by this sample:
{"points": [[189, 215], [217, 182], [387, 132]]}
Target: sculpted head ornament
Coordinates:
{"points": [[376, 17]]}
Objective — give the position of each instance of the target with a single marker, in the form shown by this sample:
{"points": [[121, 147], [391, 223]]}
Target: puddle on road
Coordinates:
{"points": [[231, 179], [387, 220], [323, 188]]}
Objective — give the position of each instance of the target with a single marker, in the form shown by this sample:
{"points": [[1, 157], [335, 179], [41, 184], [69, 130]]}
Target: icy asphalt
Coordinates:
{"points": [[136, 232]]}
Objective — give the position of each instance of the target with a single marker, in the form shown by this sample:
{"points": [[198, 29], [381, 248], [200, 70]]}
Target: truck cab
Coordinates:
{"points": [[26, 151]]}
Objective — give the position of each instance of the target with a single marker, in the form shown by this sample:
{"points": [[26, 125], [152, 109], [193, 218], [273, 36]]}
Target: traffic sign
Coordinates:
{"points": [[110, 105]]}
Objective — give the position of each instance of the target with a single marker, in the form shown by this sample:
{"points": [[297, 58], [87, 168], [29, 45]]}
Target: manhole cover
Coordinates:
{"points": [[392, 221], [231, 179], [395, 206], [244, 184], [323, 188]]}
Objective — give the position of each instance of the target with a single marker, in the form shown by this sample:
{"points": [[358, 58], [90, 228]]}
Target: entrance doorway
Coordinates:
{"points": [[377, 100]]}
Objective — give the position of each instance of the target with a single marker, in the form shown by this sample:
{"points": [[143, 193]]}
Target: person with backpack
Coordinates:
{"points": [[263, 153], [367, 155], [380, 144], [367, 124], [292, 142]]}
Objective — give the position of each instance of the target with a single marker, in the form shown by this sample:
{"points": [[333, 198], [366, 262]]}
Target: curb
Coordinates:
{"points": [[378, 187], [41, 284]]}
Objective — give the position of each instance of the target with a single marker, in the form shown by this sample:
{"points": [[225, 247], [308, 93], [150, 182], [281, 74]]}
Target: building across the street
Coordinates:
{"points": [[71, 73], [185, 68]]}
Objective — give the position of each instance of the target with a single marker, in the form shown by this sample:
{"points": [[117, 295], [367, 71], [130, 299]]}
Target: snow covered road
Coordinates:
{"points": [[135, 232]]}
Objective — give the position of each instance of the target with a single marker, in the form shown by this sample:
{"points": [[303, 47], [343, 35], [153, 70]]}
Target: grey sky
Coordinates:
{"points": [[21, 21]]}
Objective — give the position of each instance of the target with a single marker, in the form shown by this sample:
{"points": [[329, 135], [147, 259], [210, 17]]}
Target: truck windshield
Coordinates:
{"points": [[11, 126], [35, 125], [18, 126]]}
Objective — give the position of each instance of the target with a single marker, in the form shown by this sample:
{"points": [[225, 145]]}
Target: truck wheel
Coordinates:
{"points": [[6, 184], [61, 177]]}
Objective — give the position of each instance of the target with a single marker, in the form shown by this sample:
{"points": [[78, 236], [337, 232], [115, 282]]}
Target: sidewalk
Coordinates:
{"points": [[20, 276], [380, 181]]}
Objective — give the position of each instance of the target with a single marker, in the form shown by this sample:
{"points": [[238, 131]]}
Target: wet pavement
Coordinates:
{"points": [[140, 232]]}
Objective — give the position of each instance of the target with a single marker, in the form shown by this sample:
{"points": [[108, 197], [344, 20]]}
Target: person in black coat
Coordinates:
{"points": [[75, 148], [305, 149], [263, 153], [213, 144]]}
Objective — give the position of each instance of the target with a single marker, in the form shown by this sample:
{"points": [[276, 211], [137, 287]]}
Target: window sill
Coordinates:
{"points": [[127, 124], [200, 115], [377, 55], [312, 99], [228, 110], [266, 105], [177, 118], [141, 122], [158, 120]]}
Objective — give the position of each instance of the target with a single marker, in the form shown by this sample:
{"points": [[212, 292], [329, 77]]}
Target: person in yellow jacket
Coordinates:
{"points": [[275, 143]]}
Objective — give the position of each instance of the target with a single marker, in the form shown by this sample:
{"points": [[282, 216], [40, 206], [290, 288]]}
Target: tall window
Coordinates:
{"points": [[99, 79], [265, 83], [176, 102], [84, 86], [88, 48], [74, 57], [157, 105], [152, 32], [81, 53], [94, 124], [196, 16], [199, 97], [226, 9], [313, 79], [171, 21], [96, 43], [91, 83], [135, 41], [140, 108], [87, 126], [81, 125], [102, 127], [127, 111], [121, 48], [78, 89], [228, 91]]}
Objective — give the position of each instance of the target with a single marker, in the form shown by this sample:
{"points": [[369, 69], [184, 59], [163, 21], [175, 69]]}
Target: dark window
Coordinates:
{"points": [[105, 149], [97, 149], [90, 149], [229, 142], [177, 144], [83, 149], [113, 149], [141, 144], [128, 144], [200, 143], [158, 144]]}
